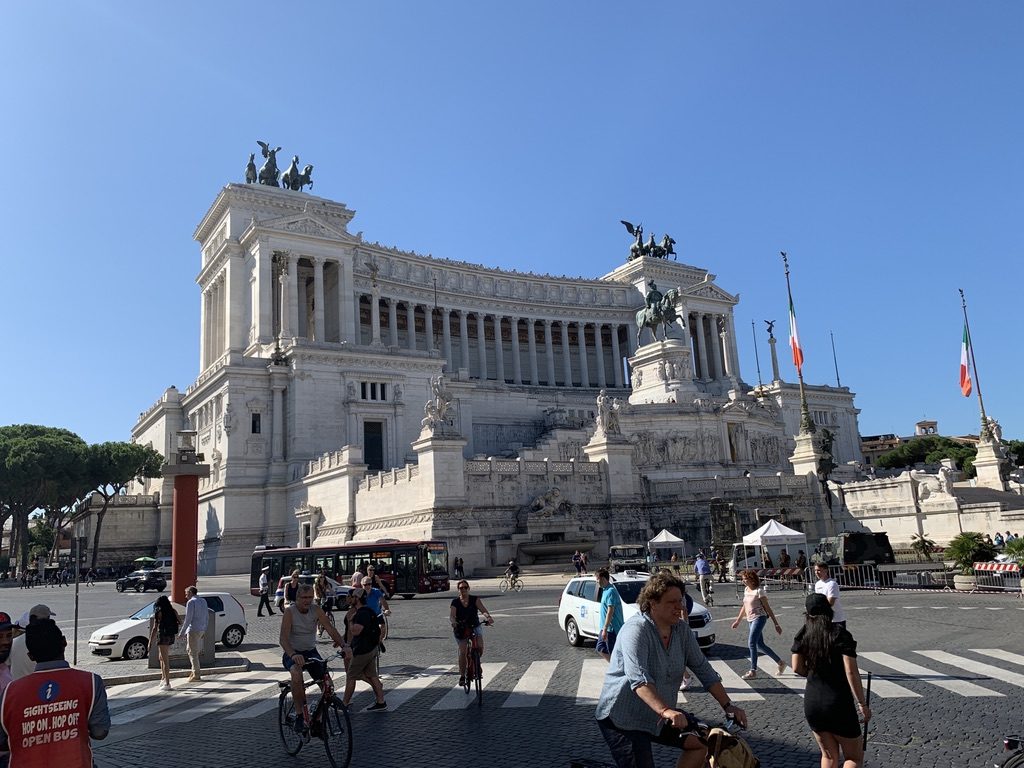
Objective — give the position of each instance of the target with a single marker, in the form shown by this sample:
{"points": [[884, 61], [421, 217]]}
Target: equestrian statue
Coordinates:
{"points": [[294, 180], [639, 248], [660, 310]]}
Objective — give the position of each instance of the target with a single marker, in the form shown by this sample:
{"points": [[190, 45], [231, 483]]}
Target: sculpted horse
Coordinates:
{"points": [[250, 169], [663, 313], [294, 180]]}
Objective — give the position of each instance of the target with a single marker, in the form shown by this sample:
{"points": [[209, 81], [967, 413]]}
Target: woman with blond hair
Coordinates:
{"points": [[758, 611]]}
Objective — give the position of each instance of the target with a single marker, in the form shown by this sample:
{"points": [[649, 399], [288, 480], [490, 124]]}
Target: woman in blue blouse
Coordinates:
{"points": [[637, 703]]}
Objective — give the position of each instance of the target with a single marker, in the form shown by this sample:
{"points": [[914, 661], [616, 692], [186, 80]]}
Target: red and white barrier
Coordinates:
{"points": [[1001, 567]]}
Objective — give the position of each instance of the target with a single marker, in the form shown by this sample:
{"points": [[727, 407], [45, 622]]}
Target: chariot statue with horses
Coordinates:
{"points": [[660, 310], [650, 248], [268, 174]]}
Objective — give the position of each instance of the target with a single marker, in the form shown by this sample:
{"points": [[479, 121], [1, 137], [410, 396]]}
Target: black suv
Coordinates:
{"points": [[140, 581]]}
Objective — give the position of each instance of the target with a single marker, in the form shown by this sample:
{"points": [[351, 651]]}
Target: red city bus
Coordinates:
{"points": [[407, 568]]}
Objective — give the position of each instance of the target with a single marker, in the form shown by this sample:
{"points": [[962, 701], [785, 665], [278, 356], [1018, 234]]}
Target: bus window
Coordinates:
{"points": [[382, 562], [326, 563], [293, 563], [435, 559]]}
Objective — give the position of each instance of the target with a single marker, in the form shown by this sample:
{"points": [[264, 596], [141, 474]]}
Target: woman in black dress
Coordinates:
{"points": [[827, 656], [163, 627]]}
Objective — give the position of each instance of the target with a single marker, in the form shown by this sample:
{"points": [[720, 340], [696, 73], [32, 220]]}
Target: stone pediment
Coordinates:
{"points": [[305, 224], [708, 290]]}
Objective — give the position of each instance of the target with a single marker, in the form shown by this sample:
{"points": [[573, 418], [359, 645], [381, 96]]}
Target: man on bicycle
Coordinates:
{"points": [[512, 572], [298, 641]]}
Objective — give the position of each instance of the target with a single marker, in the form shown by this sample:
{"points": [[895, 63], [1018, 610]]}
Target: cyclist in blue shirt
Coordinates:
{"points": [[376, 600], [611, 614]]}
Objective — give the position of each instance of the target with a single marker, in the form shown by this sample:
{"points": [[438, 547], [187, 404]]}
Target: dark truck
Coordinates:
{"points": [[858, 548]]}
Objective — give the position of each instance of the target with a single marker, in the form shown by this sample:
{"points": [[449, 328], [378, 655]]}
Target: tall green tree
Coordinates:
{"points": [[930, 449], [111, 467], [39, 467]]}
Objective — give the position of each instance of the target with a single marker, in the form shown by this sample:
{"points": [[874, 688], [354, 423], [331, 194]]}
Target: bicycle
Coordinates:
{"points": [[330, 618], [474, 669], [514, 583], [1015, 745], [715, 738], [329, 720]]}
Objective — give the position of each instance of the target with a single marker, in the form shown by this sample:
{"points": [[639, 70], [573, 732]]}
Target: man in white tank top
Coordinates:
{"points": [[298, 640]]}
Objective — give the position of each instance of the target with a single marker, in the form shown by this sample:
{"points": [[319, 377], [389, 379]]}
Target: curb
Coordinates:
{"points": [[143, 677]]}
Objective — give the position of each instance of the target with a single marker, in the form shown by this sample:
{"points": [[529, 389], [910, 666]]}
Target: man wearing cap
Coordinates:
{"points": [[64, 706], [264, 592], [20, 662]]}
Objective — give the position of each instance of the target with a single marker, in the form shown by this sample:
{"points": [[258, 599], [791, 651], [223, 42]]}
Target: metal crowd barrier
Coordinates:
{"points": [[776, 579], [998, 577]]}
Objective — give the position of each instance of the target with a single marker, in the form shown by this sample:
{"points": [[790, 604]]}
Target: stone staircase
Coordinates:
{"points": [[970, 496]]}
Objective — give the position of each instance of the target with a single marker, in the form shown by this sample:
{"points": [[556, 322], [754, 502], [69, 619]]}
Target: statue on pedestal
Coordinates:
{"points": [[268, 173], [435, 412], [660, 310], [608, 414]]}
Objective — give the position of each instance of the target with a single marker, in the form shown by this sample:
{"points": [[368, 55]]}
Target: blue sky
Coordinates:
{"points": [[877, 142]]}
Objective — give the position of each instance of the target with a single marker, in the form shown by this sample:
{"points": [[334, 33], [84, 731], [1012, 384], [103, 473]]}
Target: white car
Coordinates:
{"points": [[579, 610], [129, 638]]}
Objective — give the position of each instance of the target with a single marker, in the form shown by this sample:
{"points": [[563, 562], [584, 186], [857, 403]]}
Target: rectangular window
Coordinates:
{"points": [[362, 389], [257, 423]]}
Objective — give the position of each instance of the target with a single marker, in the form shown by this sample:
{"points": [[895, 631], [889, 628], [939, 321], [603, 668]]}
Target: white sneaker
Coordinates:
{"points": [[782, 667], [165, 687]]}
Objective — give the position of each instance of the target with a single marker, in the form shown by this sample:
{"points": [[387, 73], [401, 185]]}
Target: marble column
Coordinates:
{"points": [[599, 354], [566, 359], [716, 348], [531, 350], [293, 295], [617, 357], [204, 325], [734, 353], [410, 324], [581, 343], [549, 345], [723, 334], [464, 339], [499, 351], [375, 315], [481, 345], [265, 288], [393, 320], [446, 337], [705, 369], [346, 320], [284, 279], [517, 365], [318, 301], [277, 437]]}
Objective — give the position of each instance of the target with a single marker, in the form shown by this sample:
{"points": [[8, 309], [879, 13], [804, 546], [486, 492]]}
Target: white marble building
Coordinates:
{"points": [[315, 357]]}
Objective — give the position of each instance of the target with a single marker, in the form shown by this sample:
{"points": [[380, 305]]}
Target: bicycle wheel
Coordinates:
{"points": [[467, 681], [503, 585], [519, 585], [478, 677], [384, 628], [337, 730], [286, 723]]}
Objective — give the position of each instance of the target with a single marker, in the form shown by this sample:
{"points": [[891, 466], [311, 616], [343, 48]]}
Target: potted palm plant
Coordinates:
{"points": [[922, 546], [965, 550]]}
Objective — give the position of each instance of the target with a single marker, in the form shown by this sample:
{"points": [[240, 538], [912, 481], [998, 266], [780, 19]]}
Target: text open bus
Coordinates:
{"points": [[407, 568]]}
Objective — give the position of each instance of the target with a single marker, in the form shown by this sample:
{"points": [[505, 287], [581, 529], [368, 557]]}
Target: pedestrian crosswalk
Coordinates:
{"points": [[513, 684]]}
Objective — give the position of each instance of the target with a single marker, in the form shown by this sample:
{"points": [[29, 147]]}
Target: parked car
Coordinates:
{"points": [[579, 609], [140, 581], [129, 638], [339, 590]]}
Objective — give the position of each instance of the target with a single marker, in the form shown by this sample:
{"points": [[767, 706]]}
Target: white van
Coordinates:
{"points": [[163, 564]]}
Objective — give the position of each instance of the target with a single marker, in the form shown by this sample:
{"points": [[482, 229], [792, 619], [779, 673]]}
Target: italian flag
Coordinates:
{"points": [[965, 369], [794, 339]]}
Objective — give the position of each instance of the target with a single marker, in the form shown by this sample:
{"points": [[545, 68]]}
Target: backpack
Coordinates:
{"points": [[369, 638], [726, 750]]}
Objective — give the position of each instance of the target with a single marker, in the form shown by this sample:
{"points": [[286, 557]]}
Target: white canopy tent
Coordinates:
{"points": [[771, 538], [666, 540]]}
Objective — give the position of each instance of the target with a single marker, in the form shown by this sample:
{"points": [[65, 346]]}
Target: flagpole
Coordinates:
{"points": [[806, 425], [835, 360], [757, 357], [985, 432]]}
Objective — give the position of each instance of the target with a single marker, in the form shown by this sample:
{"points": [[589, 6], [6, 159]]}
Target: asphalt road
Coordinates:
{"points": [[948, 671]]}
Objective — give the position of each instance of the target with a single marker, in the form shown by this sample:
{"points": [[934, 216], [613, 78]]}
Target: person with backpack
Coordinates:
{"points": [[826, 654], [364, 642]]}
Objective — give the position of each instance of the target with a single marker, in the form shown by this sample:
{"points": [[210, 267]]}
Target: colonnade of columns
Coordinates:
{"points": [[713, 343], [509, 348], [214, 321]]}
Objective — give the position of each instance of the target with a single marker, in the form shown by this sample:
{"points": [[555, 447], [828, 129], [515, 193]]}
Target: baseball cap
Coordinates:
{"points": [[5, 621], [817, 605], [39, 611]]}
